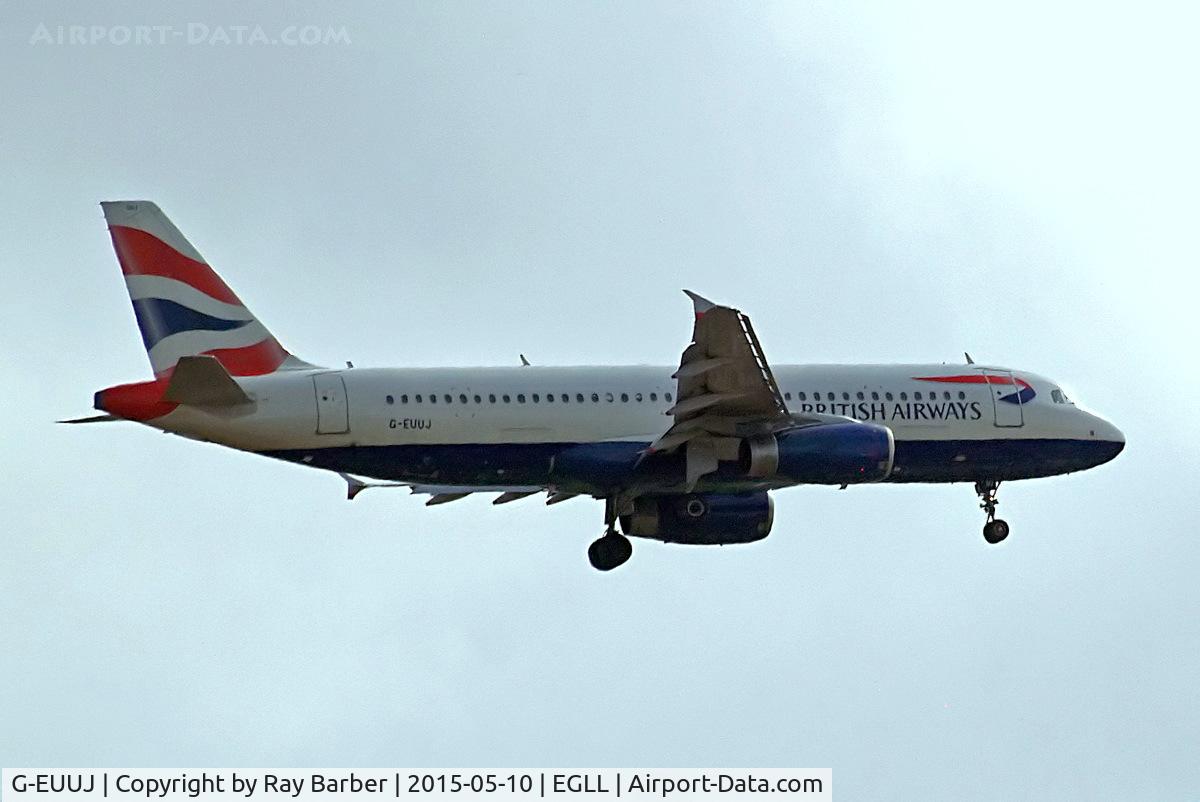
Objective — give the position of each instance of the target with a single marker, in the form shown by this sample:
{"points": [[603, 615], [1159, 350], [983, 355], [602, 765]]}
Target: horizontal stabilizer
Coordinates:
{"points": [[204, 381]]}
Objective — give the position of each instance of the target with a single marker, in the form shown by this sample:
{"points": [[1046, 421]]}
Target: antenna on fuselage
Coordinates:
{"points": [[524, 361], [969, 360]]}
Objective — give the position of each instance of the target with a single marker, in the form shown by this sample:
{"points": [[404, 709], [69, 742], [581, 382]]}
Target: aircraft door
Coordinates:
{"points": [[1006, 398], [333, 411]]}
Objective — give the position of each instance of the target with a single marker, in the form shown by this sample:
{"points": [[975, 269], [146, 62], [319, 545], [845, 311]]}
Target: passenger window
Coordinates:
{"points": [[787, 396], [888, 396], [653, 396], [566, 399], [549, 398], [418, 398], [404, 398], [595, 398], [536, 398], [903, 396], [624, 398], [520, 398], [638, 398], [462, 398], [917, 395], [579, 398], [874, 396], [507, 399], [608, 397], [802, 396], [449, 398], [478, 400], [845, 396], [391, 400], [667, 396], [433, 398], [830, 396], [946, 395], [860, 396], [961, 395], [491, 398]]}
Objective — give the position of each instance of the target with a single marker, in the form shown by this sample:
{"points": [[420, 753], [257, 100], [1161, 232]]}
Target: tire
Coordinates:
{"points": [[609, 552], [995, 531]]}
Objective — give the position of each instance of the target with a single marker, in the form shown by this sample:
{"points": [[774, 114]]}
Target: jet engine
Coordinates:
{"points": [[702, 519], [838, 453]]}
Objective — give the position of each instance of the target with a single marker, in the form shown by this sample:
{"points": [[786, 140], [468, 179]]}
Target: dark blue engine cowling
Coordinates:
{"points": [[707, 519], [836, 453]]}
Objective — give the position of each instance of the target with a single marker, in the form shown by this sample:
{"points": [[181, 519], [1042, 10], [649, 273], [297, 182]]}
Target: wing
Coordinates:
{"points": [[725, 391]]}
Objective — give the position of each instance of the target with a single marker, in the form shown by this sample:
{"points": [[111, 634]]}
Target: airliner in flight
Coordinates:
{"points": [[685, 454]]}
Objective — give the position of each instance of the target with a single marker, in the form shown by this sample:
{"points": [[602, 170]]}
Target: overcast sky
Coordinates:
{"points": [[462, 182]]}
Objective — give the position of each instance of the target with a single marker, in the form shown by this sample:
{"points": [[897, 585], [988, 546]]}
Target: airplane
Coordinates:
{"points": [[686, 454]]}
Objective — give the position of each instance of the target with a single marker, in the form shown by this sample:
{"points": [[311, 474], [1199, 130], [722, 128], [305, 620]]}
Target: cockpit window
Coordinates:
{"points": [[1059, 397]]}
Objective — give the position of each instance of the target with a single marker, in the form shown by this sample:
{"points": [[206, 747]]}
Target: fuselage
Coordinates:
{"points": [[586, 428]]}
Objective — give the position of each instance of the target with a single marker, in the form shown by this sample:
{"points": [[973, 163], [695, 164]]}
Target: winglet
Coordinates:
{"points": [[700, 303]]}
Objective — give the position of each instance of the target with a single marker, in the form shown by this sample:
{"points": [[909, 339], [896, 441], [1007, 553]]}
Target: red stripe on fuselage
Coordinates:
{"points": [[142, 254], [977, 378]]}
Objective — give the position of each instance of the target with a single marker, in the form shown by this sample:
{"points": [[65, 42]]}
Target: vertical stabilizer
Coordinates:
{"points": [[183, 308]]}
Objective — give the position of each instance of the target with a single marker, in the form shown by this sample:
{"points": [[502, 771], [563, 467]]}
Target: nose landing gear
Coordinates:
{"points": [[995, 530]]}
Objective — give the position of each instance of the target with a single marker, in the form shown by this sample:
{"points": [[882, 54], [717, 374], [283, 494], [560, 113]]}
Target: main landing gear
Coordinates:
{"points": [[995, 529], [613, 548], [610, 551]]}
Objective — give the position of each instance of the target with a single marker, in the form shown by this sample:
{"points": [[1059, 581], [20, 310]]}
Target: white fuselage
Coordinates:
{"points": [[318, 410]]}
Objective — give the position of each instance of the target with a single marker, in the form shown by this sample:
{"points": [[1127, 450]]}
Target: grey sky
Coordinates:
{"points": [[463, 182]]}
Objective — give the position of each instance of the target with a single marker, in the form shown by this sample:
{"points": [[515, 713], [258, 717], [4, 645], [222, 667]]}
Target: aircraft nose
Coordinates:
{"points": [[1112, 438], [1109, 432]]}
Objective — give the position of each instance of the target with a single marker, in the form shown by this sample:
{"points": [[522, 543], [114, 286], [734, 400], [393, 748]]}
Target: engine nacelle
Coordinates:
{"points": [[847, 452], [706, 519]]}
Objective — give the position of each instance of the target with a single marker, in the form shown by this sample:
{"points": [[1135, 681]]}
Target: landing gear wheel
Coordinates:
{"points": [[995, 531], [610, 551]]}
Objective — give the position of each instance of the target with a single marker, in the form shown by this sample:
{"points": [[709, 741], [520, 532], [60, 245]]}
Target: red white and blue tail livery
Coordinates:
{"points": [[183, 308], [686, 454]]}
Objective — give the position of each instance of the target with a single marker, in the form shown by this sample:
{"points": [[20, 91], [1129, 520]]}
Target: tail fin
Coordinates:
{"points": [[183, 308]]}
